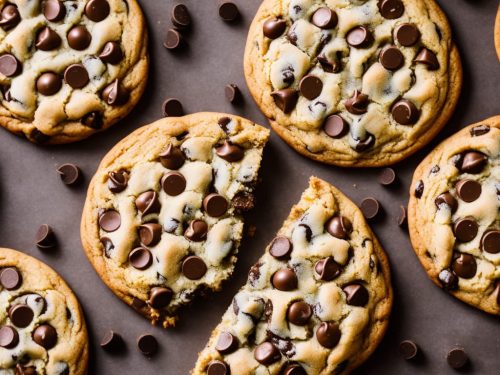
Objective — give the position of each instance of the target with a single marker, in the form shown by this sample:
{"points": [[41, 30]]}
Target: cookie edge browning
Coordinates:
{"points": [[497, 33], [367, 159], [382, 312], [10, 257], [171, 126], [134, 78], [414, 222]]}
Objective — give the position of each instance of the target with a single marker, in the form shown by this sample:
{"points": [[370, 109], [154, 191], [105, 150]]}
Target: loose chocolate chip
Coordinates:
{"points": [[172, 107], [160, 297], [490, 242], [117, 181], [407, 34], [324, 18], [405, 112], [45, 237], [402, 216], [230, 152], [180, 16], [228, 11], [233, 93], [93, 120], [427, 57], [9, 337], [173, 40], [70, 174], [111, 53], [108, 245], [468, 190], [447, 199], [281, 248], [339, 226], [457, 358], [21, 315], [54, 10], [193, 267], [419, 189], [217, 367], [335, 126], [357, 104], [360, 37], [10, 278], [448, 279], [115, 94], [226, 343], [111, 341], [148, 203], [391, 9], [273, 28], [47, 40], [465, 266], [327, 269], [328, 334], [473, 162], [285, 280], [173, 183], [110, 220], [150, 234], [267, 353], [140, 258], [147, 345], [299, 313], [285, 99], [9, 17], [48, 83], [97, 10], [479, 130], [391, 58], [356, 294], [408, 349], [293, 369], [310, 87], [172, 157], [79, 38], [387, 177], [215, 205], [45, 335], [243, 201], [370, 207], [9, 65], [465, 229], [364, 144]]}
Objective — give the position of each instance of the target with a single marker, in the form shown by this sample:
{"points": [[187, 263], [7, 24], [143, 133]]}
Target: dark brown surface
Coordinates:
{"points": [[31, 194]]}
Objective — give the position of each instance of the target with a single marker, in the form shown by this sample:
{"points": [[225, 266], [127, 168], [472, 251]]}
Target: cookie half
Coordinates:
{"points": [[162, 221], [454, 215], [353, 83], [42, 329], [317, 302], [70, 69]]}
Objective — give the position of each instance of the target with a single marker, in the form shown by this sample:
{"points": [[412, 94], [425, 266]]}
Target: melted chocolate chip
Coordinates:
{"points": [[328, 334], [230, 152], [172, 157], [285, 99], [117, 181], [356, 294], [115, 94], [327, 269], [428, 58], [357, 104], [93, 120], [273, 28], [148, 203]]}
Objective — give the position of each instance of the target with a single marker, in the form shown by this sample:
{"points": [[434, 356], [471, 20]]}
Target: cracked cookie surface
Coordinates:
{"points": [[353, 83], [454, 215], [42, 327], [317, 302], [69, 69], [163, 216]]}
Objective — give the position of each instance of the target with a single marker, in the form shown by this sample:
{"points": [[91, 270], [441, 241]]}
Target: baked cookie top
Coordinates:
{"points": [[497, 33], [353, 83], [42, 330], [317, 302], [454, 215], [162, 221], [69, 69]]}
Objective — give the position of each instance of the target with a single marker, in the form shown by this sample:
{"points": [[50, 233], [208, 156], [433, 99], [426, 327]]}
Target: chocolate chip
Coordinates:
{"points": [[285, 99], [447, 199], [79, 38], [97, 10], [70, 174], [391, 9], [356, 294], [217, 367], [233, 93], [54, 10], [324, 18], [93, 120], [419, 189], [172, 107], [465, 266], [215, 205], [110, 220], [10, 278], [173, 40], [108, 245], [111, 341], [228, 11], [281, 248], [299, 313], [9, 337], [328, 334], [29, 370], [402, 216], [180, 16], [267, 353], [457, 358], [360, 37], [45, 335], [448, 279], [223, 123], [330, 66], [147, 345], [387, 177], [226, 343], [273, 28], [173, 183], [405, 112], [117, 181], [48, 83], [243, 201], [172, 157], [45, 237], [473, 162], [140, 258], [310, 87], [293, 369], [335, 126], [408, 349], [9, 17], [468, 190], [428, 58], [364, 144], [357, 104], [148, 203], [490, 242], [230, 152], [407, 34], [370, 207], [111, 53], [115, 94], [391, 58], [193, 267], [47, 40], [9, 65], [285, 280], [327, 269], [150, 234], [465, 229], [160, 297], [479, 130], [21, 315], [339, 227]]}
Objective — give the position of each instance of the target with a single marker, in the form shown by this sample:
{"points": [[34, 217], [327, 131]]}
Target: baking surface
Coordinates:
{"points": [[32, 194]]}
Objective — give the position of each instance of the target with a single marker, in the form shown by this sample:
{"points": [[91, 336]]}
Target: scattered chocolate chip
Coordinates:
{"points": [[215, 205], [70, 174], [172, 107], [328, 334], [173, 183], [193, 267], [310, 87], [427, 57], [391, 9], [447, 199], [402, 216], [47, 40], [468, 190], [140, 258], [419, 189], [45, 335], [356, 294], [243, 201], [327, 269], [217, 367], [479, 130], [79, 38], [110, 221], [111, 341], [180, 16], [147, 345], [45, 237], [9, 65], [407, 34], [335, 126], [408, 349], [267, 353], [150, 234], [405, 112], [281, 248], [448, 279], [21, 315], [230, 152], [285, 280], [360, 37], [10, 17], [9, 337], [48, 83], [324, 18], [490, 242], [457, 358], [173, 40], [226, 343], [299, 313], [364, 144], [357, 104], [115, 94], [387, 177], [370, 207], [233, 93], [160, 297], [465, 229], [228, 11], [54, 10], [465, 266], [273, 28], [285, 99], [339, 226], [172, 157], [111, 53], [473, 162], [97, 10], [391, 58], [93, 120], [117, 181], [148, 203]]}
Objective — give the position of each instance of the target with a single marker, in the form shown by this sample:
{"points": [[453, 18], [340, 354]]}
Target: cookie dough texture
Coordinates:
{"points": [[373, 138], [467, 267], [260, 311], [52, 303], [72, 114], [194, 243]]}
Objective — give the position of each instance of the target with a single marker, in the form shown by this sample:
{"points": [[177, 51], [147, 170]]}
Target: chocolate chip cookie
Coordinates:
{"points": [[317, 302], [454, 215], [42, 330], [163, 217], [69, 69], [353, 83]]}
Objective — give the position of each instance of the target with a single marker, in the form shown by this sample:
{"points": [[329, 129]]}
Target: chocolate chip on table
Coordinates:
{"points": [[217, 367], [47, 40], [9, 338], [465, 229], [360, 37], [356, 294], [147, 345], [172, 157], [391, 58], [226, 343], [473, 162], [370, 207], [180, 16], [428, 58], [111, 341], [115, 94], [479, 130], [48, 83], [173, 183], [45, 335], [173, 40], [117, 181], [457, 358], [79, 38], [404, 112], [9, 65], [387, 177], [490, 242], [273, 28], [160, 297], [468, 190], [408, 349], [230, 152], [140, 258], [45, 237], [111, 53], [281, 248], [148, 203], [335, 126], [215, 205], [193, 267], [391, 9], [310, 87], [69, 173], [233, 93], [110, 220], [21, 315], [327, 269], [357, 104], [339, 227], [328, 334], [228, 11], [299, 313], [9, 17], [324, 18], [97, 10], [285, 99], [402, 216], [172, 107], [465, 266], [407, 34], [448, 279], [267, 353], [10, 278], [446, 199], [54, 10], [285, 280], [150, 234]]}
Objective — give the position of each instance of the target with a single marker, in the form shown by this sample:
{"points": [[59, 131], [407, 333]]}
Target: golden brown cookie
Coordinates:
{"points": [[497, 33]]}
